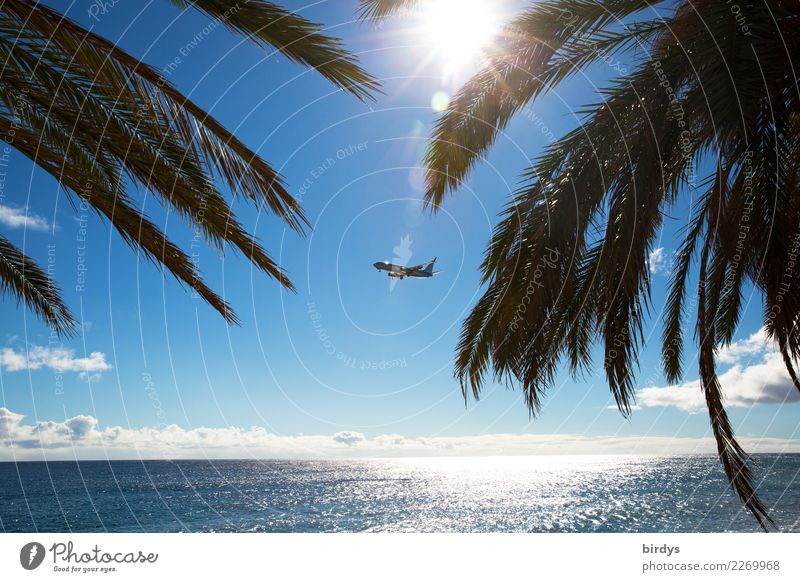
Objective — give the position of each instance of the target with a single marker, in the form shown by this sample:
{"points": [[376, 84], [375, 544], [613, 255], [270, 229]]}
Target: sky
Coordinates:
{"points": [[353, 364]]}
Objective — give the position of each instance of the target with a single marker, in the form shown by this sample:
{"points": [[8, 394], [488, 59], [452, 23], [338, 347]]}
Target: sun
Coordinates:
{"points": [[459, 29]]}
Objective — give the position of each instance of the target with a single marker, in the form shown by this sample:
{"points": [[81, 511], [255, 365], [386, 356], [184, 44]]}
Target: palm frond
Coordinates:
{"points": [[301, 40], [97, 118], [594, 200], [379, 9], [104, 69], [110, 201], [731, 454], [28, 283], [534, 52]]}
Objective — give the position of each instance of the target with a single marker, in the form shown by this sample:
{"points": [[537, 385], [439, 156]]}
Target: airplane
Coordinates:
{"points": [[400, 272]]}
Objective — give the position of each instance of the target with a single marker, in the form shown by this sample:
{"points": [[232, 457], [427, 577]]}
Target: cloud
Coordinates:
{"points": [[348, 438], [82, 437], [58, 359], [755, 345], [757, 376], [8, 420], [80, 426], [657, 261], [21, 218]]}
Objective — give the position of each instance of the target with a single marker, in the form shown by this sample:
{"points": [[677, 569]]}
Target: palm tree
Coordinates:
{"points": [[713, 84], [102, 123]]}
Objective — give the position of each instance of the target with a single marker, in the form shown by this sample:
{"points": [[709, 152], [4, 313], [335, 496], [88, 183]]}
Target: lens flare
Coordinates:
{"points": [[459, 29], [440, 101]]}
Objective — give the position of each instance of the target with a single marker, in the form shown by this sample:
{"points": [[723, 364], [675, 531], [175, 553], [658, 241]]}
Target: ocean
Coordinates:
{"points": [[488, 494]]}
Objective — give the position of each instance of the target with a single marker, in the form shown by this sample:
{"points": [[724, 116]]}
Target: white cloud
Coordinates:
{"points": [[657, 261], [81, 437], [8, 420], [348, 438], [22, 218], [58, 359], [755, 345], [757, 376]]}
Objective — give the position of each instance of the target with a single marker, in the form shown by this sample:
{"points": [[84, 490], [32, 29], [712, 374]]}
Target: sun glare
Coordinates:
{"points": [[459, 29]]}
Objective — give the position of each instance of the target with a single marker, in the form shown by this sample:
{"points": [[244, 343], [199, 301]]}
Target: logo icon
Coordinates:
{"points": [[31, 555], [402, 255]]}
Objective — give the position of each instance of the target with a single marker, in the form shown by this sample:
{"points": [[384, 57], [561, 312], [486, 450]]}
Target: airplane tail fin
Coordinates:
{"points": [[429, 268]]}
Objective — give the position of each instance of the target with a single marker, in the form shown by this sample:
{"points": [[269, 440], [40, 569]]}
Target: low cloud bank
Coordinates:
{"points": [[82, 437]]}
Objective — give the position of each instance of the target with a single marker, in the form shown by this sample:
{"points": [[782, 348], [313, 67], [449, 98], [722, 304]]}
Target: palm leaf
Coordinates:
{"points": [[98, 119], [300, 40], [701, 88], [28, 283]]}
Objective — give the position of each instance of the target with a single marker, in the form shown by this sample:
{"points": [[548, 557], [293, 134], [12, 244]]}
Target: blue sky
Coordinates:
{"points": [[348, 354]]}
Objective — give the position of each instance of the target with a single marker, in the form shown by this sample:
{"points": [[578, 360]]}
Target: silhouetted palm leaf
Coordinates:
{"points": [[573, 244], [30, 285], [99, 120], [266, 23]]}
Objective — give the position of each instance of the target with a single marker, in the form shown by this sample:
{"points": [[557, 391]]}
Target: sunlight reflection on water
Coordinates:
{"points": [[477, 494]]}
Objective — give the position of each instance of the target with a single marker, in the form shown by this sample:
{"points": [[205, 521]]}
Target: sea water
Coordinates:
{"points": [[470, 494]]}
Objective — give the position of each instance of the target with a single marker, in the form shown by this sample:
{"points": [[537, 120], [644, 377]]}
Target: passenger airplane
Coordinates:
{"points": [[399, 271]]}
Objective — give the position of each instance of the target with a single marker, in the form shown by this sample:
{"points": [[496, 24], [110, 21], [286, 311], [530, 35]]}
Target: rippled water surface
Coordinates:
{"points": [[519, 494]]}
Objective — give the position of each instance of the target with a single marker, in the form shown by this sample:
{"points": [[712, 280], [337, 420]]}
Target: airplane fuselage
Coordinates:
{"points": [[400, 271]]}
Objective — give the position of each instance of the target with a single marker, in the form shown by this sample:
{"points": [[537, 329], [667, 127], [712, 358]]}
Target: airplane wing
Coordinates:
{"points": [[419, 267]]}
